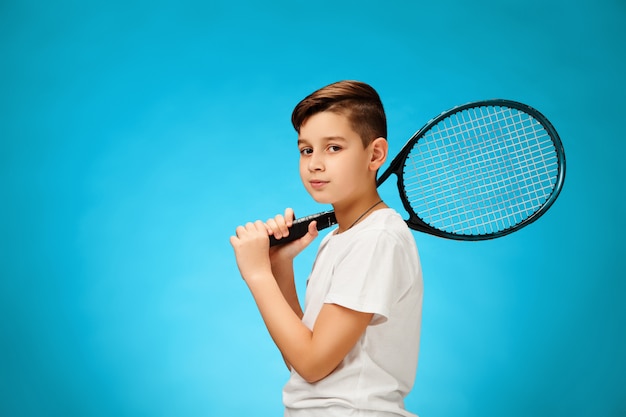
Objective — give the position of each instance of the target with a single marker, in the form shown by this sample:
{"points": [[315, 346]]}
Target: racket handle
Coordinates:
{"points": [[301, 226]]}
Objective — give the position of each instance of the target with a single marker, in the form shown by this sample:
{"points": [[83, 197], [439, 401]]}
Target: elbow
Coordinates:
{"points": [[313, 373], [313, 377]]}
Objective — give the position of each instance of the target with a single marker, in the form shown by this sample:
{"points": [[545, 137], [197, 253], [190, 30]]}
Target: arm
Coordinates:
{"points": [[281, 257], [313, 354], [283, 273]]}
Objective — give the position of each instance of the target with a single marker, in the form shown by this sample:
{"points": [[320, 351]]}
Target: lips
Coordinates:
{"points": [[317, 184]]}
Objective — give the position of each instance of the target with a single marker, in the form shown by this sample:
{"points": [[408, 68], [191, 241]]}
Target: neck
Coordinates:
{"points": [[352, 214]]}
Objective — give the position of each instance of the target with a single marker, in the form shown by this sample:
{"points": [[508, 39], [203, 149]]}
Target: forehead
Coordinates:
{"points": [[327, 125]]}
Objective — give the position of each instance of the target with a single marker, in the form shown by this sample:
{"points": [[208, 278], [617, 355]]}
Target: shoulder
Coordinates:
{"points": [[388, 225], [377, 259], [384, 230]]}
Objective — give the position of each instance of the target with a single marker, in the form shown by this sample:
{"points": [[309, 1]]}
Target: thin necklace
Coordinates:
{"points": [[361, 216]]}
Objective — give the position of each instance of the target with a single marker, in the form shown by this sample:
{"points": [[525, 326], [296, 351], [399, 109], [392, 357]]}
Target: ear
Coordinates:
{"points": [[379, 149]]}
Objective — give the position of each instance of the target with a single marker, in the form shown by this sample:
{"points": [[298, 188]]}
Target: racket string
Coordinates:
{"points": [[489, 190], [481, 170]]}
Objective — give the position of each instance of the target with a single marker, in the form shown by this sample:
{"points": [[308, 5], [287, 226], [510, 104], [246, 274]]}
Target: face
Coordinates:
{"points": [[334, 166]]}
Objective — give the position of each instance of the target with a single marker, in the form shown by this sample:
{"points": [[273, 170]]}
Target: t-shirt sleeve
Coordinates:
{"points": [[368, 276]]}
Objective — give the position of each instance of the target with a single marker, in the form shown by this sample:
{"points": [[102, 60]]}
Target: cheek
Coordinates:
{"points": [[303, 171]]}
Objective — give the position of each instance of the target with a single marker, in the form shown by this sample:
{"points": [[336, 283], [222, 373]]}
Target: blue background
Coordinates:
{"points": [[135, 137]]}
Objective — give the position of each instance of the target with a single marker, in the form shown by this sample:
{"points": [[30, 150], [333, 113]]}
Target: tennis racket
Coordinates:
{"points": [[478, 171]]}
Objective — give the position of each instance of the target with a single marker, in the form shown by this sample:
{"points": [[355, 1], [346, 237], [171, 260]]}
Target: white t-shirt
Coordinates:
{"points": [[373, 267]]}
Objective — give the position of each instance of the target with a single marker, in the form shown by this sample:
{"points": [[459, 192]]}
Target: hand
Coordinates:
{"points": [[251, 245], [279, 225], [279, 228]]}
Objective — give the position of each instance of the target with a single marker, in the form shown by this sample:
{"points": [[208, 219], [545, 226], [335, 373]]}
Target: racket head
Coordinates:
{"points": [[480, 171]]}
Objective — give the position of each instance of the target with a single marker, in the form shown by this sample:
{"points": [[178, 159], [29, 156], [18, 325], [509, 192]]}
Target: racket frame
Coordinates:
{"points": [[397, 167]]}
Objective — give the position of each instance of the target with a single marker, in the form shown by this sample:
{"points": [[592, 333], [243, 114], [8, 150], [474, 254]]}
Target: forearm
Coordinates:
{"points": [[291, 336], [284, 275]]}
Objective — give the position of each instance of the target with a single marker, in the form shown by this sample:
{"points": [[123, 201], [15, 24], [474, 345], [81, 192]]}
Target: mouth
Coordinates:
{"points": [[317, 184]]}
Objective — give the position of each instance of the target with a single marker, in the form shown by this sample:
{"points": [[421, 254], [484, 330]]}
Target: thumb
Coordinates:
{"points": [[305, 240], [293, 249], [310, 235]]}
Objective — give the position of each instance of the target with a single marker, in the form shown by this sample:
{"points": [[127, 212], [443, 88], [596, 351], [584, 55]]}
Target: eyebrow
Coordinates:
{"points": [[325, 139]]}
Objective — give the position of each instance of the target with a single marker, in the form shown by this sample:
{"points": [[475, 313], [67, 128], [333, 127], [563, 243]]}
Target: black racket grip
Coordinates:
{"points": [[301, 226]]}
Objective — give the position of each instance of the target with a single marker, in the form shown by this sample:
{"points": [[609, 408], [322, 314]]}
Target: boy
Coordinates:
{"points": [[353, 351]]}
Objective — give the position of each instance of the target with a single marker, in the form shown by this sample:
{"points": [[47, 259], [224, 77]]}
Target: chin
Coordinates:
{"points": [[321, 199]]}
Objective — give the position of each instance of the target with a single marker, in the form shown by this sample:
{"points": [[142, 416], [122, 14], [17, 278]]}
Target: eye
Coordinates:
{"points": [[334, 148], [306, 151]]}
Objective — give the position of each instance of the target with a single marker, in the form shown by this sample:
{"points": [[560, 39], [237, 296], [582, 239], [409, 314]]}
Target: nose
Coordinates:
{"points": [[316, 162]]}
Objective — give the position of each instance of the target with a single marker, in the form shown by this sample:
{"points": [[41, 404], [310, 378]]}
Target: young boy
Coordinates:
{"points": [[353, 351]]}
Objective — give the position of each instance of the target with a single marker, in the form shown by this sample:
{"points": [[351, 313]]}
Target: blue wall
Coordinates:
{"points": [[135, 136]]}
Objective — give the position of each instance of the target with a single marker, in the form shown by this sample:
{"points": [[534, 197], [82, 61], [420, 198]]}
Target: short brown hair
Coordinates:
{"points": [[358, 101]]}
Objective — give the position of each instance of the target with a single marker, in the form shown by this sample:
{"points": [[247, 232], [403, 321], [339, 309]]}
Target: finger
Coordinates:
{"points": [[259, 226], [310, 235], [283, 227], [272, 228], [289, 216], [239, 230], [313, 230]]}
